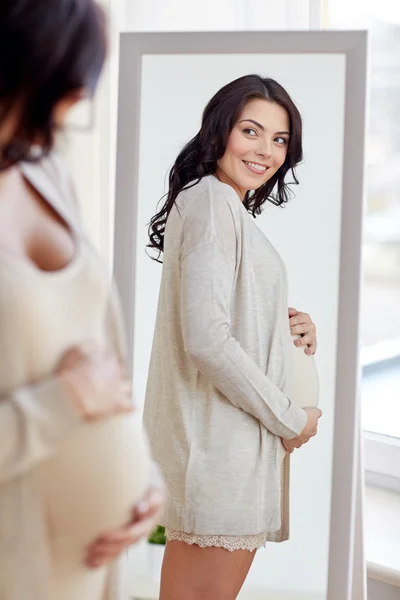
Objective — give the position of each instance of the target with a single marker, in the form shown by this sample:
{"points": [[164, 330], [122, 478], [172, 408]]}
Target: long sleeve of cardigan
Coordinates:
{"points": [[33, 421], [207, 276]]}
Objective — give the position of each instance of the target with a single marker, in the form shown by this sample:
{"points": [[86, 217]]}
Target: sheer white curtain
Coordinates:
{"points": [[91, 155]]}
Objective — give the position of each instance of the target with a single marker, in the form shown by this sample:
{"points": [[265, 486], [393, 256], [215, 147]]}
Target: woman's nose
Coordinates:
{"points": [[265, 149]]}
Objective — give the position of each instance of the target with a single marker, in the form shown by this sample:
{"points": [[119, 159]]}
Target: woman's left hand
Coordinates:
{"points": [[290, 446], [144, 518], [301, 324]]}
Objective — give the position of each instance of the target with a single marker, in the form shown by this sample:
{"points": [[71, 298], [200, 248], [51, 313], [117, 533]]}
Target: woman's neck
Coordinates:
{"points": [[224, 178]]}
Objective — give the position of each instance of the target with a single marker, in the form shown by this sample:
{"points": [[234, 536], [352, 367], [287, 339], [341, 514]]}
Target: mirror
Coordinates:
{"points": [[166, 81]]}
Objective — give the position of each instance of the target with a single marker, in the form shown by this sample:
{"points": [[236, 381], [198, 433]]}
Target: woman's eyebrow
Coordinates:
{"points": [[254, 122], [263, 128]]}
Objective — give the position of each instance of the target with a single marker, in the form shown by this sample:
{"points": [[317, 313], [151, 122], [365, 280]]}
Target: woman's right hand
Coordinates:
{"points": [[309, 431], [95, 381]]}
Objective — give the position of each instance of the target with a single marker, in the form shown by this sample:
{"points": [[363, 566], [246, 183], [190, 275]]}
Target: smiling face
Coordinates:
{"points": [[256, 148]]}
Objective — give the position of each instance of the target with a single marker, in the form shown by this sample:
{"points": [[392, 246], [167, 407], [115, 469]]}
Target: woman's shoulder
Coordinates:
{"points": [[53, 175], [50, 167], [209, 185], [54, 166], [209, 197], [209, 213]]}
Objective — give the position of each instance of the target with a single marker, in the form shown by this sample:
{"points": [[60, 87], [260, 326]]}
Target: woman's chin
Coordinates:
{"points": [[252, 183]]}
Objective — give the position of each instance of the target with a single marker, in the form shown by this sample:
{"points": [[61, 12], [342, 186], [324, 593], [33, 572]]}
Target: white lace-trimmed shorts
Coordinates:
{"points": [[229, 542]]}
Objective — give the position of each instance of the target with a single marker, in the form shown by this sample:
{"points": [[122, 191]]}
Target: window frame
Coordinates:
{"points": [[381, 451], [382, 460]]}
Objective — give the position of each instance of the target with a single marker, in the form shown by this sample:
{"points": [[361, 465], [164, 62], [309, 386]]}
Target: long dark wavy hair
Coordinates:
{"points": [[199, 157], [48, 48]]}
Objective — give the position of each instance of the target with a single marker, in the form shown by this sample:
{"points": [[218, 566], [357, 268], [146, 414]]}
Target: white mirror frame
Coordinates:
{"points": [[353, 45]]}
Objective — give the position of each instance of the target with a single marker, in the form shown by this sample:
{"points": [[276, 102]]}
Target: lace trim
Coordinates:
{"points": [[229, 542]]}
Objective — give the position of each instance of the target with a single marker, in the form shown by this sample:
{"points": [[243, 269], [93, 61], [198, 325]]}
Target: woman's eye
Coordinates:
{"points": [[251, 132], [281, 140]]}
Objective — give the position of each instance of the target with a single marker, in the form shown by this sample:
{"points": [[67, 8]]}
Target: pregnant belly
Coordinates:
{"points": [[305, 383], [92, 482], [305, 378]]}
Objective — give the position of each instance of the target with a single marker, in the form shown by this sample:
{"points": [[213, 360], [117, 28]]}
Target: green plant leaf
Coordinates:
{"points": [[157, 536]]}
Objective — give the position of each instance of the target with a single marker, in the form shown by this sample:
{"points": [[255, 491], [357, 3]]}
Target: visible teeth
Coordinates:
{"points": [[256, 166]]}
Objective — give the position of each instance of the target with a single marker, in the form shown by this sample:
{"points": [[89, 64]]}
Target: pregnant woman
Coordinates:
{"points": [[223, 410], [73, 461]]}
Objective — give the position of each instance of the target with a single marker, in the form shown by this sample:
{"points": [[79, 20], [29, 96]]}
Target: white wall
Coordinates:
{"points": [[172, 15], [208, 15], [90, 155], [174, 92]]}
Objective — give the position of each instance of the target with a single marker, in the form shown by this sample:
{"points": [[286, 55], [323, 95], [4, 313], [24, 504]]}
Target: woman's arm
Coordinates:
{"points": [[33, 421], [88, 385], [207, 278]]}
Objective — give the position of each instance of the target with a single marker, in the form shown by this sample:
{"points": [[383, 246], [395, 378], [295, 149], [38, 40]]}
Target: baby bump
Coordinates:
{"points": [[305, 378], [92, 482], [305, 390]]}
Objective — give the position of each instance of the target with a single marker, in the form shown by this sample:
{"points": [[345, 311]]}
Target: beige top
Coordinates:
{"points": [[62, 482], [220, 380]]}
